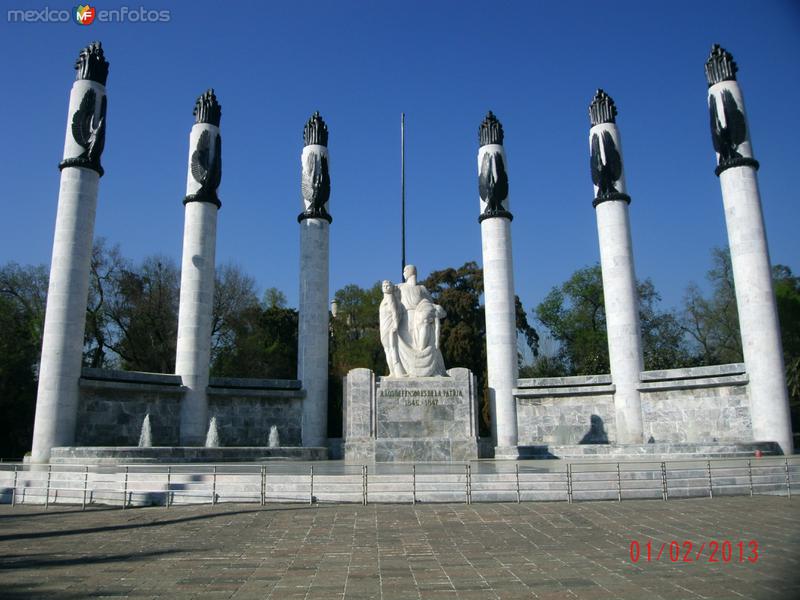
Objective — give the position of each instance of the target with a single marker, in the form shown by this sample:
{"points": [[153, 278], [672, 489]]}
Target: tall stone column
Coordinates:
{"points": [[197, 267], [616, 260], [312, 339], [65, 317], [752, 272], [498, 285]]}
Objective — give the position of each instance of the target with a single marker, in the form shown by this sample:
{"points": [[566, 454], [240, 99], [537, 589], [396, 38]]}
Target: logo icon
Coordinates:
{"points": [[84, 14]]}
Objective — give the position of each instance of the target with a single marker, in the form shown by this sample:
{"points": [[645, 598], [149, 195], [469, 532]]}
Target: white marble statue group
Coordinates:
{"points": [[410, 325]]}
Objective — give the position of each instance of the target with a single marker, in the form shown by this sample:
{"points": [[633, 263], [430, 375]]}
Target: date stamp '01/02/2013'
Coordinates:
{"points": [[713, 551]]}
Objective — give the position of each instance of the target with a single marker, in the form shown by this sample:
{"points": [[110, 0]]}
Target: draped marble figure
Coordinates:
{"points": [[410, 326]]}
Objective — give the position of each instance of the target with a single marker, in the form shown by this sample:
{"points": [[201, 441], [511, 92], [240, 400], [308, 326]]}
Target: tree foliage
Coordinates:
{"points": [[142, 308], [355, 339], [712, 322], [19, 355], [23, 293], [574, 313], [264, 344], [787, 293]]}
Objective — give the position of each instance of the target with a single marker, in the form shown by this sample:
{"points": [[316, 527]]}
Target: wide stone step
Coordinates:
{"points": [[483, 482]]}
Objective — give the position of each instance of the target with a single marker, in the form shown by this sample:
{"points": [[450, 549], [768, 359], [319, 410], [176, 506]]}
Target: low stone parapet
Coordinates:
{"points": [[113, 404], [698, 405]]}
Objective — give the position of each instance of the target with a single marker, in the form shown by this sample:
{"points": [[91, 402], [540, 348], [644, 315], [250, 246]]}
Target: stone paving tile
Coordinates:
{"points": [[400, 552]]}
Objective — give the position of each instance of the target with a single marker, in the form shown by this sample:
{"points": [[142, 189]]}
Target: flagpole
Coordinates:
{"points": [[403, 190]]}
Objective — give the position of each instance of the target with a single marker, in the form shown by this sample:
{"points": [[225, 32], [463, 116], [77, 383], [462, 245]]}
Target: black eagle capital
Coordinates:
{"points": [[89, 130], [493, 182], [207, 168], [729, 137], [605, 174], [315, 185]]}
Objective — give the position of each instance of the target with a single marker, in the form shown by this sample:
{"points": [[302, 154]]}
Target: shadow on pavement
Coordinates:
{"points": [[156, 523]]}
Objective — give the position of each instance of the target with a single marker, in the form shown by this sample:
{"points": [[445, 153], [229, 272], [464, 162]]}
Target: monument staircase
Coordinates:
{"points": [[330, 482]]}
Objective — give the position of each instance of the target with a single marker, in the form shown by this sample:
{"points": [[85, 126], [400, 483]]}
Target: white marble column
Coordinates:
{"points": [[312, 338], [498, 284], [198, 268], [65, 316], [616, 260], [752, 271]]}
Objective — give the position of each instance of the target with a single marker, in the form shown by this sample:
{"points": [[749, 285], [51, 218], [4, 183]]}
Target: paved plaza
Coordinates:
{"points": [[445, 551]]}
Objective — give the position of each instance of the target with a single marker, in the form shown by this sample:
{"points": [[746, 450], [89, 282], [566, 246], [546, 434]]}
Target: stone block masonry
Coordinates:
{"points": [[697, 405], [559, 410], [113, 405], [410, 419], [703, 404]]}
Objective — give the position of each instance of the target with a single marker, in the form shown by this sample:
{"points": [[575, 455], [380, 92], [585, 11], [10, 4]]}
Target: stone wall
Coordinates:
{"points": [[113, 405], [563, 410], [701, 404], [246, 409]]}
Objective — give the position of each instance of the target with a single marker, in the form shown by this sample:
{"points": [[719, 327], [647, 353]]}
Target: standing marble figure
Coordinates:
{"points": [[410, 324], [65, 316], [498, 280], [197, 267], [312, 342], [616, 260], [389, 328], [747, 238]]}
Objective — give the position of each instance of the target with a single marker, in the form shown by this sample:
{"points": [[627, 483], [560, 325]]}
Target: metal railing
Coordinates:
{"points": [[330, 482]]}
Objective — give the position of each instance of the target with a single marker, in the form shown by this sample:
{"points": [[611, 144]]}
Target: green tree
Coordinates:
{"points": [[664, 344], [27, 288], [274, 298], [261, 338], [142, 314], [266, 345], [23, 293], [712, 322], [234, 298], [19, 355], [106, 268], [355, 340], [787, 294], [574, 313]]}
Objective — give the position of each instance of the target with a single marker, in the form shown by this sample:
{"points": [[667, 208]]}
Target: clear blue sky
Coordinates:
{"points": [[445, 63]]}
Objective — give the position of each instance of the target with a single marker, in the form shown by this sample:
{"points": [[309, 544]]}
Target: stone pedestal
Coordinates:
{"points": [[410, 419]]}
